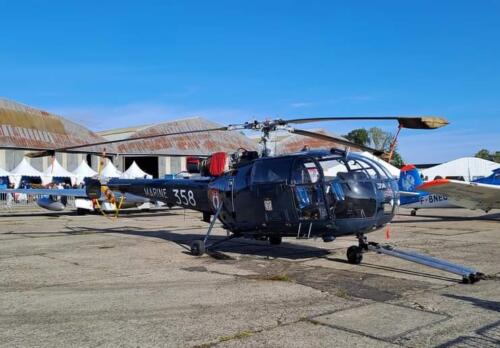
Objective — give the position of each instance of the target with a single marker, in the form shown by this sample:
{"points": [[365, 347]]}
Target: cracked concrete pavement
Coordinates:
{"points": [[68, 280]]}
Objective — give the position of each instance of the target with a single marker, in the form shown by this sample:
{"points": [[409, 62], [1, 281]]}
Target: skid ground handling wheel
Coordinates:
{"points": [[198, 248], [355, 256]]}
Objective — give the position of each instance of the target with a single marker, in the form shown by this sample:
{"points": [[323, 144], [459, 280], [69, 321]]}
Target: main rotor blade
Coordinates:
{"points": [[335, 140], [425, 122], [52, 151]]}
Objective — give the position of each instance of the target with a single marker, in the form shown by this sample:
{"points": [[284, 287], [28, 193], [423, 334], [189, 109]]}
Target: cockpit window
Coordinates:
{"points": [[305, 171], [363, 167], [333, 166], [266, 171], [353, 185]]}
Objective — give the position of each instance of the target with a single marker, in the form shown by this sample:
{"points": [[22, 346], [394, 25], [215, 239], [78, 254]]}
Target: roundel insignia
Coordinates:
{"points": [[214, 197]]}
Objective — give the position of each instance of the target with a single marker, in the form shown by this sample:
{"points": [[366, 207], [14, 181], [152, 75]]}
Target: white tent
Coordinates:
{"points": [[83, 171], [110, 171], [134, 172], [24, 169], [470, 168], [56, 170]]}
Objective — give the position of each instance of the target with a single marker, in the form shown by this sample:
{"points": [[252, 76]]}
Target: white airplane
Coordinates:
{"points": [[481, 194]]}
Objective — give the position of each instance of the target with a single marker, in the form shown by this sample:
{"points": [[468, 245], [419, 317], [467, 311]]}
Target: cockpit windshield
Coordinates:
{"points": [[371, 169], [354, 184]]}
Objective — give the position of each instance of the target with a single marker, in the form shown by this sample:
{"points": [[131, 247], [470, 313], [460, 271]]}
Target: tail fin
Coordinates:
{"points": [[409, 178]]}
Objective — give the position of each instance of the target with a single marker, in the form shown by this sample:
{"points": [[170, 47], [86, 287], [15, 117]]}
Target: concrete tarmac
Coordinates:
{"points": [[86, 281]]}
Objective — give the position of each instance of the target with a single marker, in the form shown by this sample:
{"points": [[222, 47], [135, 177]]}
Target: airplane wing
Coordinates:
{"points": [[53, 192], [470, 195], [79, 193]]}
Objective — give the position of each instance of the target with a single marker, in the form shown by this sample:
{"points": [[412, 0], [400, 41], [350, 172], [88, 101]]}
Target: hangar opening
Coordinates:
{"points": [[147, 163]]}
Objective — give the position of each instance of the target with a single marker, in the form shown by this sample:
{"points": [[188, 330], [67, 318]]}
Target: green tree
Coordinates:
{"points": [[380, 139], [496, 156], [397, 160], [484, 154], [358, 136]]}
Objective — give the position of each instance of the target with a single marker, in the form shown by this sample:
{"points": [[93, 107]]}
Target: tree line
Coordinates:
{"points": [[487, 155], [381, 140], [375, 138]]}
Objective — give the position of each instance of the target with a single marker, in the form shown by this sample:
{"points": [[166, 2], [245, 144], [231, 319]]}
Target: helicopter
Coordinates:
{"points": [[271, 197]]}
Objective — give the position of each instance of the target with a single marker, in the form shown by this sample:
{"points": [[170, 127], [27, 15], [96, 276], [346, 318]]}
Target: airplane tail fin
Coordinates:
{"points": [[409, 178]]}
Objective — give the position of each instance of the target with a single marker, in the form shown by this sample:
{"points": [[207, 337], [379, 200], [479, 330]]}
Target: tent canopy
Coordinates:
{"points": [[470, 168], [110, 171], [55, 169], [25, 169], [83, 171], [134, 172]]}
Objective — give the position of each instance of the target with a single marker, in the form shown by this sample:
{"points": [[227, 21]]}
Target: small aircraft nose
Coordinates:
{"points": [[49, 204]]}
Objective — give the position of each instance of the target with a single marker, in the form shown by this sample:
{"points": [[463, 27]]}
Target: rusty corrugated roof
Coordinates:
{"points": [[295, 143], [195, 144], [24, 127]]}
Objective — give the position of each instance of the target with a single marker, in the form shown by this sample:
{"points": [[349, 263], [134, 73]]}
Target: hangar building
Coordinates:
{"points": [[24, 129], [165, 155]]}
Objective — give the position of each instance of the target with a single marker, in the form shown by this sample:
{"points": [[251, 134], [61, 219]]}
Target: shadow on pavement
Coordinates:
{"points": [[399, 270], [485, 304], [486, 337]]}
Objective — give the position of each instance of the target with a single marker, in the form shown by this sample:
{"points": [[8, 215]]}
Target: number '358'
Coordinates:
{"points": [[184, 197]]}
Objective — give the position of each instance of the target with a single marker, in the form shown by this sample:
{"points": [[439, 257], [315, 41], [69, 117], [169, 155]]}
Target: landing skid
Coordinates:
{"points": [[199, 247], [355, 256]]}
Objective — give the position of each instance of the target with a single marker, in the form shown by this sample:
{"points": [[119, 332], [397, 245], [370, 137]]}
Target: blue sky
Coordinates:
{"points": [[111, 64]]}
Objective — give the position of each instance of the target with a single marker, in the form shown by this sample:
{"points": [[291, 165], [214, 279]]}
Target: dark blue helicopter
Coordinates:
{"points": [[290, 195], [284, 196], [321, 193]]}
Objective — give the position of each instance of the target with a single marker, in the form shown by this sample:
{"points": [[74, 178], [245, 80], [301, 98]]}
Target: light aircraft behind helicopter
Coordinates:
{"points": [[483, 193]]}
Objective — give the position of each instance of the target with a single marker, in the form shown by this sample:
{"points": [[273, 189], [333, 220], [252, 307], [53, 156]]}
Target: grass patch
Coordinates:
{"points": [[237, 336], [342, 293], [280, 278], [205, 345]]}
